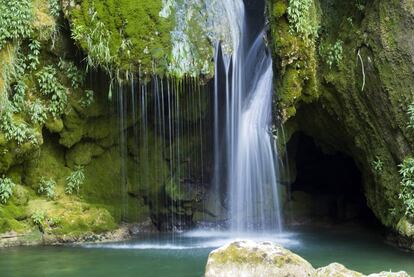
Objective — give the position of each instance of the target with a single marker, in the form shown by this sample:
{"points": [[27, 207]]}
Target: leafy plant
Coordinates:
{"points": [[96, 37], [49, 85], [16, 17], [378, 164], [410, 113], [38, 218], [38, 112], [88, 99], [332, 54], [47, 187], [407, 186], [54, 221], [54, 7], [76, 76], [75, 180], [14, 131], [300, 18], [33, 56], [6, 189], [19, 94]]}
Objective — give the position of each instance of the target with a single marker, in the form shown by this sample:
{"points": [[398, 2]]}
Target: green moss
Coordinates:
{"points": [[50, 163], [138, 36], [279, 9], [82, 154], [54, 125], [333, 105]]}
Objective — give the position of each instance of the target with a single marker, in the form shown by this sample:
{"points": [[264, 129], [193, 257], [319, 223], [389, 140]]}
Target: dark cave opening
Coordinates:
{"points": [[327, 188]]}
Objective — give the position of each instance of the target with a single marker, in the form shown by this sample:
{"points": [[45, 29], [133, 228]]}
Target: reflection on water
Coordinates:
{"points": [[186, 254]]}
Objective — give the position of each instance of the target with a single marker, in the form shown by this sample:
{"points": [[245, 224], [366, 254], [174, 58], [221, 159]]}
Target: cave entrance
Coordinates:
{"points": [[327, 188]]}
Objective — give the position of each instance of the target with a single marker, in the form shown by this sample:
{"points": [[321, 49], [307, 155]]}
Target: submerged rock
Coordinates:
{"points": [[248, 258]]}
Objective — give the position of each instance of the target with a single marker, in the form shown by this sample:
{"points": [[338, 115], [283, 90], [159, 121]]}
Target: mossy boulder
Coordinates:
{"points": [[247, 258], [336, 270]]}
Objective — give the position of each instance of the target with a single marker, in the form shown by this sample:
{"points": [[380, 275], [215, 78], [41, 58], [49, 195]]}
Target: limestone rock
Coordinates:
{"points": [[390, 274], [250, 259], [336, 270]]}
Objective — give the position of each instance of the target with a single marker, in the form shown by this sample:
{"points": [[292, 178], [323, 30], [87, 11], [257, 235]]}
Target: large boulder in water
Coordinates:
{"points": [[251, 259]]}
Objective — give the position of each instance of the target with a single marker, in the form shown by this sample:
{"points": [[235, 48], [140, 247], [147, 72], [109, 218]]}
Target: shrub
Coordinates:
{"points": [[15, 20], [75, 180], [407, 186], [47, 187], [6, 189]]}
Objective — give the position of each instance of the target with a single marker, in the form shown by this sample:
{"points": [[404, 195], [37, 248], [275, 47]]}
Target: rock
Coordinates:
{"points": [[390, 274], [251, 259], [336, 270], [247, 258]]}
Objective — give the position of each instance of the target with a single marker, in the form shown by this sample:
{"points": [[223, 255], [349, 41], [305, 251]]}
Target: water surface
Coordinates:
{"points": [[186, 254]]}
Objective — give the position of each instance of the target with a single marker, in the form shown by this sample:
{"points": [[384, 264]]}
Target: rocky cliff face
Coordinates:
{"points": [[344, 76], [70, 161]]}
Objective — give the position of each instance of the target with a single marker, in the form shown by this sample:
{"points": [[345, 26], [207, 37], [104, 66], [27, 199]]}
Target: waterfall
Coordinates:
{"points": [[250, 160]]}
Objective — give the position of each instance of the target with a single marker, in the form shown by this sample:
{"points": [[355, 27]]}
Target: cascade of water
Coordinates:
{"points": [[250, 155]]}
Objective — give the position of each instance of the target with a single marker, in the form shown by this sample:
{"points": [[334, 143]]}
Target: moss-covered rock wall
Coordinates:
{"points": [[349, 85], [68, 166]]}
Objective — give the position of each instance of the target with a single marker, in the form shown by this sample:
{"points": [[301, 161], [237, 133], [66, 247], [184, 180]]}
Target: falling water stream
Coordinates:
{"points": [[250, 155]]}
